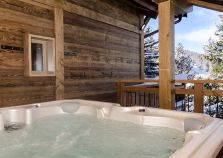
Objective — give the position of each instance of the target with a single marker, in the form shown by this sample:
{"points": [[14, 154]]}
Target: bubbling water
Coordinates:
{"points": [[82, 136]]}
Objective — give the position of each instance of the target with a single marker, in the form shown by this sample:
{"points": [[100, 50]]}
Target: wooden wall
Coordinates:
{"points": [[16, 18], [96, 53]]}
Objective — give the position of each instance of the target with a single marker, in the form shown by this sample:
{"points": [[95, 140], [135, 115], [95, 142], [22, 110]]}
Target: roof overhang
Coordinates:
{"points": [[182, 7], [146, 7], [209, 4]]}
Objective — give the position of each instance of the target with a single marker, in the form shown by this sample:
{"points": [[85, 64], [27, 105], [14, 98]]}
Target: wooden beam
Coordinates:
{"points": [[142, 51], [180, 6], [85, 12], [207, 5], [199, 81], [166, 51], [213, 93], [70, 7], [59, 42], [33, 2], [138, 81], [184, 91], [146, 4], [119, 92], [139, 89]]}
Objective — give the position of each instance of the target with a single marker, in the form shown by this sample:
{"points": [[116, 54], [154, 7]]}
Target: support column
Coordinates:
{"points": [[166, 54], [59, 43], [142, 51]]}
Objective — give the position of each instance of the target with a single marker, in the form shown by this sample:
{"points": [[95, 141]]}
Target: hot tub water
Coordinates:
{"points": [[82, 136]]}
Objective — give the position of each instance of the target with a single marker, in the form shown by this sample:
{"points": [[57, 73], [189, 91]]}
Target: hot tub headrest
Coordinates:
{"points": [[70, 107], [192, 124]]}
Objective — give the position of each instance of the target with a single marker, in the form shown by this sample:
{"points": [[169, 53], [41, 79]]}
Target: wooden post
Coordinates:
{"points": [[166, 54], [59, 43], [119, 92], [142, 51], [198, 98]]}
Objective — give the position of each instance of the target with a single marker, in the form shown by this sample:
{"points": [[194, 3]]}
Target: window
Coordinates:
{"points": [[40, 56]]}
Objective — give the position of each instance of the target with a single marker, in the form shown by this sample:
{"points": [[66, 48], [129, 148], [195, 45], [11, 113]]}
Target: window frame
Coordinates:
{"points": [[29, 38]]}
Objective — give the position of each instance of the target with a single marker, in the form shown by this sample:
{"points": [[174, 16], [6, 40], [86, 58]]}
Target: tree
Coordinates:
{"points": [[151, 63], [214, 52], [183, 63]]}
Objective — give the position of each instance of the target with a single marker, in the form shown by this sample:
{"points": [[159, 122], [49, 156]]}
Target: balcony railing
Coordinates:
{"points": [[190, 95]]}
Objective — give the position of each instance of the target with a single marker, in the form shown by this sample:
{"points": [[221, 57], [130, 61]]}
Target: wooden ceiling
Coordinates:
{"points": [[146, 7], [220, 2], [150, 7], [209, 4]]}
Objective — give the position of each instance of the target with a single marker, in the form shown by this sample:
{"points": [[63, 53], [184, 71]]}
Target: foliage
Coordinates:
{"points": [[214, 52], [183, 63], [151, 56]]}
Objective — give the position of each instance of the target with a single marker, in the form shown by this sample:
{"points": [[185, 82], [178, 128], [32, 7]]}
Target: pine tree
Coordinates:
{"points": [[214, 52], [151, 62], [183, 63]]}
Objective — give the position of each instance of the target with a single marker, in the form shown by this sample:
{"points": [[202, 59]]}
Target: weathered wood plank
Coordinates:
{"points": [[6, 14], [116, 9], [99, 17], [78, 94], [95, 66], [11, 38], [25, 99], [8, 25], [75, 49], [26, 89], [41, 5], [86, 37], [27, 82], [103, 96], [9, 60], [91, 87], [84, 22], [82, 11], [98, 35], [102, 75], [27, 8]]}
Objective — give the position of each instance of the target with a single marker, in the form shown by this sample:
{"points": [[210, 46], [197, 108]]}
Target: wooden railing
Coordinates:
{"points": [[127, 88], [139, 92]]}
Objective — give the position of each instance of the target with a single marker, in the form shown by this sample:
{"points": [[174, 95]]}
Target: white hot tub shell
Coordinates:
{"points": [[203, 134]]}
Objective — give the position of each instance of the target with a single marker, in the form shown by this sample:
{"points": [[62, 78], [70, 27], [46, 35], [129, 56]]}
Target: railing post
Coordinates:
{"points": [[119, 92], [198, 98]]}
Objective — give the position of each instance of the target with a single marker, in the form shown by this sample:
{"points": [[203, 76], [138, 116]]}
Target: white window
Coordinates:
{"points": [[39, 56]]}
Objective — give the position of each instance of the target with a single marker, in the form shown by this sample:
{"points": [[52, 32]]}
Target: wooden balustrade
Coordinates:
{"points": [[142, 86], [123, 91]]}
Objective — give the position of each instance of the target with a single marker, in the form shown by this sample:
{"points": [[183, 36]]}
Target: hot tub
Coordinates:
{"points": [[203, 136]]}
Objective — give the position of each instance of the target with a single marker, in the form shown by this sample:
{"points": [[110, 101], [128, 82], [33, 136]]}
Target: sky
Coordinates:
{"points": [[195, 30]]}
